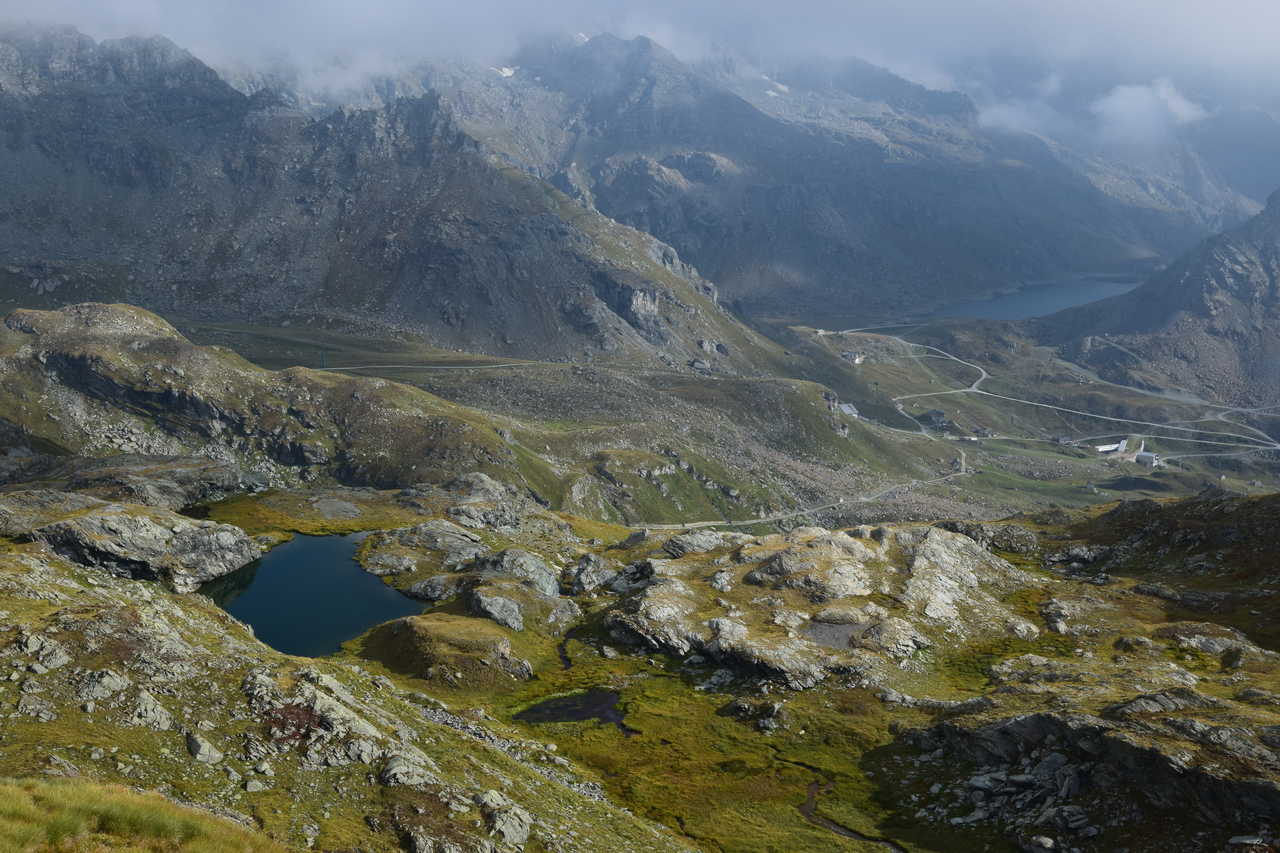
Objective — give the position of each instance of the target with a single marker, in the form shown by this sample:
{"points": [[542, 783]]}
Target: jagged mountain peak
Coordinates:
{"points": [[609, 68], [33, 58]]}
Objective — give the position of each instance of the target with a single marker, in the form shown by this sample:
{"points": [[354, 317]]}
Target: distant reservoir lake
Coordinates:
{"points": [[309, 596], [1038, 299]]}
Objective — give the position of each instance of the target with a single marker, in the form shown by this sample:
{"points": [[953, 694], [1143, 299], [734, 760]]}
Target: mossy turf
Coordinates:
{"points": [[682, 760], [280, 513]]}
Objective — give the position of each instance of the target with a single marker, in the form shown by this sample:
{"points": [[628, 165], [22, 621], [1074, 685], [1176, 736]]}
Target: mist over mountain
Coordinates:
{"points": [[831, 188]]}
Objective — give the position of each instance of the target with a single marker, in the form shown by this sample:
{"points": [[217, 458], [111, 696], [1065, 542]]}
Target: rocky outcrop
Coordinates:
{"points": [[137, 542], [946, 589], [1073, 777], [1010, 538]]}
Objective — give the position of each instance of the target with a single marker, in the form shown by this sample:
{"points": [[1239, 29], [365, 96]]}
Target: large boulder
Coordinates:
{"points": [[520, 564], [1010, 538], [149, 544]]}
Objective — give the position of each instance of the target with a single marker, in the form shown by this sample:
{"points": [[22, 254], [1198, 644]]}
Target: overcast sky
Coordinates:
{"points": [[1024, 61]]}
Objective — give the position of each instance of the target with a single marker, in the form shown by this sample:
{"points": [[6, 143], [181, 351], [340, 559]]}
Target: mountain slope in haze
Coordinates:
{"points": [[132, 171], [850, 191], [911, 123], [1209, 323]]}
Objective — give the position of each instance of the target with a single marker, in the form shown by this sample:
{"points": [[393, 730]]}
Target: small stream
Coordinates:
{"points": [[309, 596], [809, 810]]}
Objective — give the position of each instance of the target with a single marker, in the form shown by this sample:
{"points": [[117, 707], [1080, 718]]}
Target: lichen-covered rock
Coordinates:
{"points": [[202, 750], [508, 821], [102, 684], [500, 609], [520, 564], [694, 542], [1166, 701], [401, 770], [658, 617], [1011, 538], [952, 582], [589, 574], [149, 544], [147, 711]]}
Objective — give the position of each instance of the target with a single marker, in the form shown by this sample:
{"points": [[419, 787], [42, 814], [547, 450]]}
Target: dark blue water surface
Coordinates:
{"points": [[1039, 299], [309, 596]]}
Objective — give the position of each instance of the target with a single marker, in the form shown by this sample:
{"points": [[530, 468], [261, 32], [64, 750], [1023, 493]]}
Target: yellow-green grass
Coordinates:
{"points": [[77, 816]]}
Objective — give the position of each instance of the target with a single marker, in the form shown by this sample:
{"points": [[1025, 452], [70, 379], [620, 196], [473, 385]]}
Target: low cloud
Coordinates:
{"points": [[1022, 61], [1143, 116]]}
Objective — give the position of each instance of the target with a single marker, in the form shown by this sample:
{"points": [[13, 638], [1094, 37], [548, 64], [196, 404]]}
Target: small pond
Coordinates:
{"points": [[309, 596], [595, 704]]}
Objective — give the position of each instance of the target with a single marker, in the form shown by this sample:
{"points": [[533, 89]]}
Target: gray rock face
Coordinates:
{"points": [[48, 652], [102, 685], [590, 574], [950, 573], [499, 608], [156, 545], [402, 770], [438, 588], [147, 711], [1166, 701], [1013, 538], [1061, 770], [518, 563], [389, 564], [1255, 696], [507, 821], [694, 542], [457, 544], [22, 511], [202, 750]]}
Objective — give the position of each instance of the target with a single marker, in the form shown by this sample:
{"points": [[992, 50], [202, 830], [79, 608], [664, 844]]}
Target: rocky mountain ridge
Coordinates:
{"points": [[427, 202], [133, 171], [1208, 323], [820, 189]]}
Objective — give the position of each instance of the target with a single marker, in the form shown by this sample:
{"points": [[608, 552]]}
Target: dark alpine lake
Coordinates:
{"points": [[1039, 299], [309, 596]]}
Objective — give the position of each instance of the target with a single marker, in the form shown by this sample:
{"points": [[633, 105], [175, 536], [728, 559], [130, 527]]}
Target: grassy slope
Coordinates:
{"points": [[79, 816]]}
